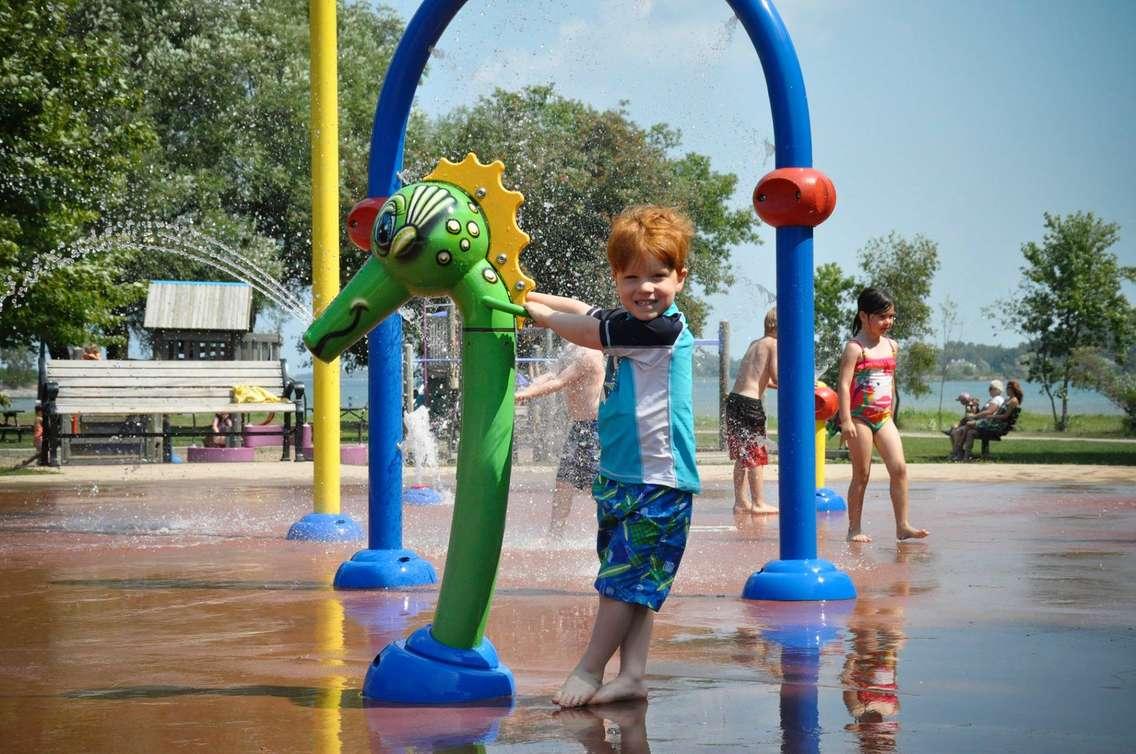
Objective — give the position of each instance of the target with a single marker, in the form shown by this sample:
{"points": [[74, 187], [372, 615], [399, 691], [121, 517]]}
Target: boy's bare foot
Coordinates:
{"points": [[858, 536], [577, 689], [760, 507], [909, 532], [618, 689]]}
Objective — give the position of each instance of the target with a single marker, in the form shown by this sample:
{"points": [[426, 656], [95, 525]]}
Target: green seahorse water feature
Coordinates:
{"points": [[453, 234]]}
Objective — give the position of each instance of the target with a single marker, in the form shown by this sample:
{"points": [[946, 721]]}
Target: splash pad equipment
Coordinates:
{"points": [[828, 500], [794, 198], [798, 575], [454, 234]]}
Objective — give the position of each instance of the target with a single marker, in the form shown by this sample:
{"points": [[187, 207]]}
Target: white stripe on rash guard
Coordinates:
{"points": [[646, 419]]}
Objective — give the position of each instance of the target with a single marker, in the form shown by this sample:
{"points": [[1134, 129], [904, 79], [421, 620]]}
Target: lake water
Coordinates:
{"points": [[353, 392]]}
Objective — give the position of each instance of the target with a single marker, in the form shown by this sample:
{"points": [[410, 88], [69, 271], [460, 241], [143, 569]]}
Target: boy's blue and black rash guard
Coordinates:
{"points": [[646, 418]]}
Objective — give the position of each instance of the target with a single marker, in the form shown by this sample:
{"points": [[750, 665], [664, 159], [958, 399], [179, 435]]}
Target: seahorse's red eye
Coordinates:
{"points": [[360, 220]]}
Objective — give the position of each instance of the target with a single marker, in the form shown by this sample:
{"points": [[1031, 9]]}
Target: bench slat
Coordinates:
{"points": [[139, 391], [163, 406], [70, 383], [216, 375], [65, 365]]}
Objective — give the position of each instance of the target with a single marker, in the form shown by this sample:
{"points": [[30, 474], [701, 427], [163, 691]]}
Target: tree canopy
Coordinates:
{"points": [[577, 167], [69, 141], [1069, 298], [119, 114], [175, 111], [905, 269]]}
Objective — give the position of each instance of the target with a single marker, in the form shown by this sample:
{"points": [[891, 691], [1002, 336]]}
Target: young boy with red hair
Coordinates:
{"points": [[647, 474]]}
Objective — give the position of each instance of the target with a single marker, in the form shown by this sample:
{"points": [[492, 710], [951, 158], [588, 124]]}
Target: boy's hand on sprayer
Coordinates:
{"points": [[538, 313]]}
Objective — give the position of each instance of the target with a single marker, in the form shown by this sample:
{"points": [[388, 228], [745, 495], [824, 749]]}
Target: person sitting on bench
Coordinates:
{"points": [[972, 414], [990, 427], [222, 423]]}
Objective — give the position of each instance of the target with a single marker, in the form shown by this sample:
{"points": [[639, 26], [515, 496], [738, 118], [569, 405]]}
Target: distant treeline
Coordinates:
{"points": [[978, 360]]}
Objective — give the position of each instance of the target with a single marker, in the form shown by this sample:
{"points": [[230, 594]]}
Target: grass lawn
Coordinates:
{"points": [[1027, 450], [1016, 449]]}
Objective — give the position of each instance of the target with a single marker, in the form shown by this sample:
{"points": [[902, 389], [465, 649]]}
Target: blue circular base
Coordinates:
{"points": [[829, 500], [384, 569], [811, 580], [421, 496], [422, 670], [325, 527]]}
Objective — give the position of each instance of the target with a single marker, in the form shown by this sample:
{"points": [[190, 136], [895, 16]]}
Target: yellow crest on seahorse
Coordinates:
{"points": [[499, 205]]}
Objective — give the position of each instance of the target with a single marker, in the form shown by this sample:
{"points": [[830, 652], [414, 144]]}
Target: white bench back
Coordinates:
{"points": [[162, 387]]}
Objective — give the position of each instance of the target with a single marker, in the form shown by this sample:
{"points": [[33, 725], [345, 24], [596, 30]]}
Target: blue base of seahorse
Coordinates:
{"points": [[326, 527], [384, 569], [421, 495], [422, 670], [811, 580], [829, 500]]}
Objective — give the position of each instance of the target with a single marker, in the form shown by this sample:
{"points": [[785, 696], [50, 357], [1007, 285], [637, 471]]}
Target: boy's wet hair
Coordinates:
{"points": [[771, 321], [871, 301], [649, 230]]}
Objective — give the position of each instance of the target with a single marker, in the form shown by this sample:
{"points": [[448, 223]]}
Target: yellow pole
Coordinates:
{"points": [[325, 247], [820, 436]]}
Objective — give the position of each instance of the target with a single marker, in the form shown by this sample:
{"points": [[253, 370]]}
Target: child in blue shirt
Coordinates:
{"points": [[647, 474]]}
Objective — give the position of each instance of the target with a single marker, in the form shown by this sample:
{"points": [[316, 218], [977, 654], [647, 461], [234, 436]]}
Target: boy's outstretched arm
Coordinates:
{"points": [[578, 328], [559, 303]]}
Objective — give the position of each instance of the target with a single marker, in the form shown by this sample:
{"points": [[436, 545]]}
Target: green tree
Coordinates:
{"points": [[1069, 298], [1094, 370], [68, 142], [577, 167], [834, 304], [905, 268], [948, 324], [217, 97], [227, 86]]}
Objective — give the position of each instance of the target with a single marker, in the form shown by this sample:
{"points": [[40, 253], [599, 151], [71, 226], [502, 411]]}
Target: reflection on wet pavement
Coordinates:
{"points": [[146, 618]]}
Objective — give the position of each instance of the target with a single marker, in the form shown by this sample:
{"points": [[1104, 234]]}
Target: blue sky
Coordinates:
{"points": [[961, 121]]}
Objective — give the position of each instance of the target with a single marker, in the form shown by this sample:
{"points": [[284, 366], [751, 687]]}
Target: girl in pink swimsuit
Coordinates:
{"points": [[867, 391], [873, 382]]}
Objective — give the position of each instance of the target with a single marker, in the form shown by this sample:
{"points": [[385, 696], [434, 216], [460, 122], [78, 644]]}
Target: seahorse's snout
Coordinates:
{"points": [[366, 301]]}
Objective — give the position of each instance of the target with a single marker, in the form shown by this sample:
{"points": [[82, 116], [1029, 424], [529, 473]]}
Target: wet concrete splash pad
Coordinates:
{"points": [[176, 616]]}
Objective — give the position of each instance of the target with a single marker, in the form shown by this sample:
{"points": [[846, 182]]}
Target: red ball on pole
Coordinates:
{"points": [[825, 402], [794, 197]]}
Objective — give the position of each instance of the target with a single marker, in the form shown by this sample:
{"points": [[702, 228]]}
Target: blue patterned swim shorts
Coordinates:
{"points": [[642, 535]]}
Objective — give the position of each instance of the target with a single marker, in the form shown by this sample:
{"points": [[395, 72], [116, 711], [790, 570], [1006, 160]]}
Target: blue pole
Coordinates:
{"points": [[795, 425], [385, 563], [798, 575]]}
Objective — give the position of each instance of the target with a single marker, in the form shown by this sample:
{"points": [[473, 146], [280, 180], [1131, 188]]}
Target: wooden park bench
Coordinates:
{"points": [[996, 435], [12, 425], [134, 389]]}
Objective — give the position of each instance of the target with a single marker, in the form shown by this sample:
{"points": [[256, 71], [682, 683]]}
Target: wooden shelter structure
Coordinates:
{"points": [[192, 320]]}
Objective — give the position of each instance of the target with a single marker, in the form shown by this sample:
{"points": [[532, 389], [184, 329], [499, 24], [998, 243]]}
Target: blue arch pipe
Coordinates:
{"points": [[798, 574], [385, 563]]}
